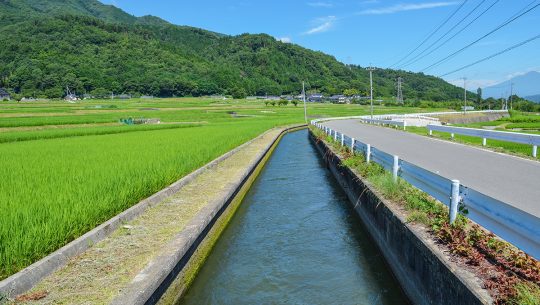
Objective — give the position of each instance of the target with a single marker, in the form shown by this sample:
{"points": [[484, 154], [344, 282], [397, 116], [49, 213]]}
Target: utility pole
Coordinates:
{"points": [[304, 97], [371, 69], [399, 91], [465, 95], [511, 96]]}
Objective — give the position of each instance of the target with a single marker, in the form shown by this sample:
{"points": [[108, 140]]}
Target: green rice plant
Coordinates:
{"points": [[53, 191], [20, 136], [65, 182]]}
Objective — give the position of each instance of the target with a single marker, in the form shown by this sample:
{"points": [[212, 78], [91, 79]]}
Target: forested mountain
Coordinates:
{"points": [[47, 45]]}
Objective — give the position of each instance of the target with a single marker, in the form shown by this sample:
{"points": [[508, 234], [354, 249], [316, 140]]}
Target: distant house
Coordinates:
{"points": [[342, 99], [272, 98], [4, 95], [315, 98], [287, 97], [71, 97], [467, 108], [124, 96], [147, 97]]}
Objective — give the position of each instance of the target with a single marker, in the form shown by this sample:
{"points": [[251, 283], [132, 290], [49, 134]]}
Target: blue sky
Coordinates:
{"points": [[380, 32]]}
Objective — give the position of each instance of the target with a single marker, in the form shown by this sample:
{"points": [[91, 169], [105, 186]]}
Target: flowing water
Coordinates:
{"points": [[295, 240]]}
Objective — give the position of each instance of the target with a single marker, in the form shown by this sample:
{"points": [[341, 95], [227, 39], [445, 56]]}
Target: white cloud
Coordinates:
{"points": [[405, 7], [320, 4], [519, 73], [285, 39], [324, 24], [369, 2]]}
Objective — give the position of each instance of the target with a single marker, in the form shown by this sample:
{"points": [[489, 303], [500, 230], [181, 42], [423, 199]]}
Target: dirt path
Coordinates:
{"points": [[104, 270]]}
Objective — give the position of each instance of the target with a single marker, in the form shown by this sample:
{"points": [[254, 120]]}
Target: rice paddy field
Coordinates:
{"points": [[517, 122], [66, 168]]}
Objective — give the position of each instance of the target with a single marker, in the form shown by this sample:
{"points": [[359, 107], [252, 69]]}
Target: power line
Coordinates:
{"points": [[416, 58], [493, 55], [484, 36], [432, 33], [460, 31]]}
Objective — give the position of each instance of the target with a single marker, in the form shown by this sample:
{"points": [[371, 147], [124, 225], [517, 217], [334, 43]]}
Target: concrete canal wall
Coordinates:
{"points": [[165, 280], [425, 273]]}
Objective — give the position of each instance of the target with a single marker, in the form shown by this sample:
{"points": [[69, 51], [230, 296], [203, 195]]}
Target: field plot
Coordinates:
{"points": [[517, 122], [69, 167]]}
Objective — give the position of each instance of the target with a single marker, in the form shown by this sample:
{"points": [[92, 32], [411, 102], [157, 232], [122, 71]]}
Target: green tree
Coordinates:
{"points": [[479, 96], [238, 93], [351, 92]]}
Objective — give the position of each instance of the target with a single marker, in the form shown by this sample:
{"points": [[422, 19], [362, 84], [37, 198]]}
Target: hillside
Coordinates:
{"points": [[95, 48]]}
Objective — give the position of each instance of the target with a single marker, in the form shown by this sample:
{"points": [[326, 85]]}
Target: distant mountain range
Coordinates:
{"points": [[526, 85], [533, 98]]}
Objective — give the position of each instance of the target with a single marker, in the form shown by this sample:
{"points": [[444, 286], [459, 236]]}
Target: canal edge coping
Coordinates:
{"points": [[30, 276]]}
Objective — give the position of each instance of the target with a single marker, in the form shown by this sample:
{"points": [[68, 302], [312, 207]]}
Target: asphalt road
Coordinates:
{"points": [[510, 179]]}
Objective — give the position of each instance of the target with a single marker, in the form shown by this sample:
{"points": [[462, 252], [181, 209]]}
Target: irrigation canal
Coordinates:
{"points": [[295, 240]]}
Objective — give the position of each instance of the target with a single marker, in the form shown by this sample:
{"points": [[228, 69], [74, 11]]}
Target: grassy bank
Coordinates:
{"points": [[511, 276]]}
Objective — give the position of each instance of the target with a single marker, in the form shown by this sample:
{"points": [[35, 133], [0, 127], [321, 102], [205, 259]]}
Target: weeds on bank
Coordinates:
{"points": [[518, 277]]}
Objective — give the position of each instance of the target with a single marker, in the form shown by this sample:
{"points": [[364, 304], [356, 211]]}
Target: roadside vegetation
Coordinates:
{"points": [[511, 276]]}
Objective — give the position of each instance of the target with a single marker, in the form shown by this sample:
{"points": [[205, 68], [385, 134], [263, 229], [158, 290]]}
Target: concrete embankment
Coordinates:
{"points": [[473, 117], [154, 257], [427, 274]]}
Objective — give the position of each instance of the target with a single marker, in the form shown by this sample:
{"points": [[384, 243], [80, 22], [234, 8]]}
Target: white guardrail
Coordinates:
{"points": [[385, 122], [513, 225], [514, 137]]}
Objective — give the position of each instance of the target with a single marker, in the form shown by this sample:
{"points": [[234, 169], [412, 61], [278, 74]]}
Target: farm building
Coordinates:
{"points": [[4, 95], [71, 97], [124, 96], [316, 97], [342, 99]]}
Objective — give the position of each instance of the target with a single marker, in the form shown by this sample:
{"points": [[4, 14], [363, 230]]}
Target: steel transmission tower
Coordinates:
{"points": [[399, 90]]}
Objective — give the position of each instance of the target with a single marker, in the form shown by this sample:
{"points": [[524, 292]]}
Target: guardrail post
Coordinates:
{"points": [[484, 142], [342, 140], [335, 135], [395, 168], [404, 125], [368, 153], [452, 135], [454, 201], [352, 145], [430, 132], [535, 150]]}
